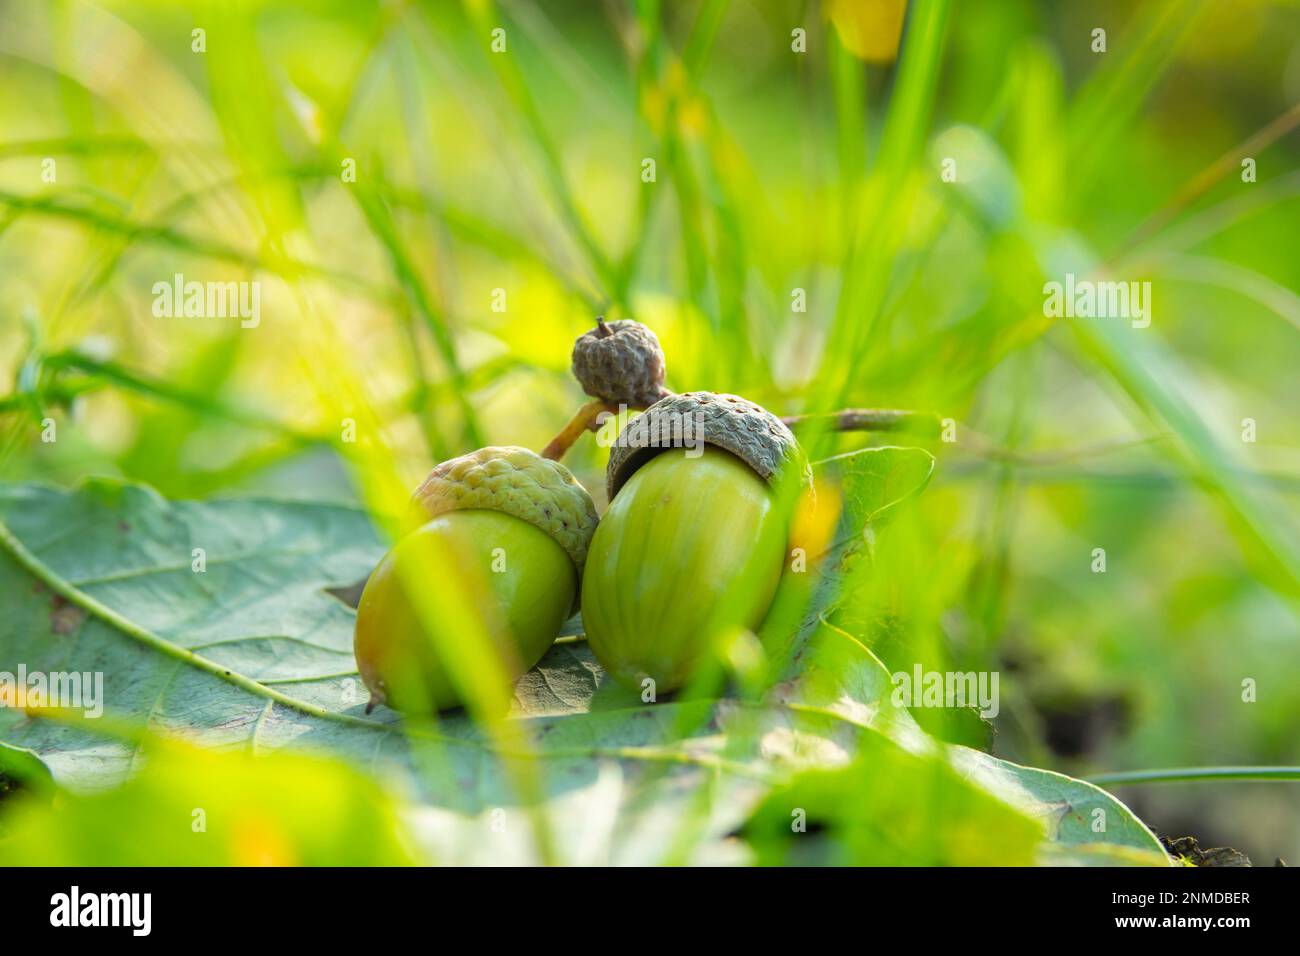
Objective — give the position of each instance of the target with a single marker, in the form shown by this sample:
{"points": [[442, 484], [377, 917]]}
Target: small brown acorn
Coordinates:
{"points": [[621, 363]]}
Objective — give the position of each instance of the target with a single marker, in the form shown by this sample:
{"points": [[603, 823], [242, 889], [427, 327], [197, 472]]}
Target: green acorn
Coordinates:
{"points": [[693, 543], [503, 529]]}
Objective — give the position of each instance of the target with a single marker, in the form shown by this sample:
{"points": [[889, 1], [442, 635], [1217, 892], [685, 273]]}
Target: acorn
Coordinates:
{"points": [[693, 543], [506, 528], [621, 363]]}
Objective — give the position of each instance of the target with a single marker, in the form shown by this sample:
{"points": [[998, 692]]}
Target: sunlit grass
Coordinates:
{"points": [[478, 171]]}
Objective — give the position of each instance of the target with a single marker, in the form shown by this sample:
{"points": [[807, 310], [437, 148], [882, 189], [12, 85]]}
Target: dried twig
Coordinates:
{"points": [[869, 420]]}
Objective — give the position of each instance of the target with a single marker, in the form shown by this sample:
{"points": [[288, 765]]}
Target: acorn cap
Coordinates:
{"points": [[621, 363], [517, 482], [748, 431]]}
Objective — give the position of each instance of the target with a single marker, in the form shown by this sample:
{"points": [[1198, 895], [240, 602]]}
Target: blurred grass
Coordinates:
{"points": [[775, 170]]}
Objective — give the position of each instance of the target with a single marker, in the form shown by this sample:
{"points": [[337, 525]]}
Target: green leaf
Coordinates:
{"points": [[871, 483], [839, 677], [253, 653], [21, 769], [890, 807]]}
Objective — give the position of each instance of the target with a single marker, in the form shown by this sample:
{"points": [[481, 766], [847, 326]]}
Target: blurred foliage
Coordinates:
{"points": [[775, 171], [191, 807], [891, 808]]}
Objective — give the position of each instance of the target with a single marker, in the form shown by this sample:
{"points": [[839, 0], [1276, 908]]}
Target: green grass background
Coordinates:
{"points": [[775, 171]]}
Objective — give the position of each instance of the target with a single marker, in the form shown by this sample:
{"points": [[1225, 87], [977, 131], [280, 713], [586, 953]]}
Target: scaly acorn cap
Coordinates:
{"points": [[621, 363], [517, 482], [748, 431]]}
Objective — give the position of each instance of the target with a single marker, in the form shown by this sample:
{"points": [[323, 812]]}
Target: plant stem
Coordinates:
{"points": [[1195, 774], [869, 420], [587, 418], [1208, 177], [111, 373]]}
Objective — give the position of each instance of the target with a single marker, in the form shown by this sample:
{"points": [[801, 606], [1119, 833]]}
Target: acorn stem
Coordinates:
{"points": [[869, 420], [603, 331], [587, 418]]}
